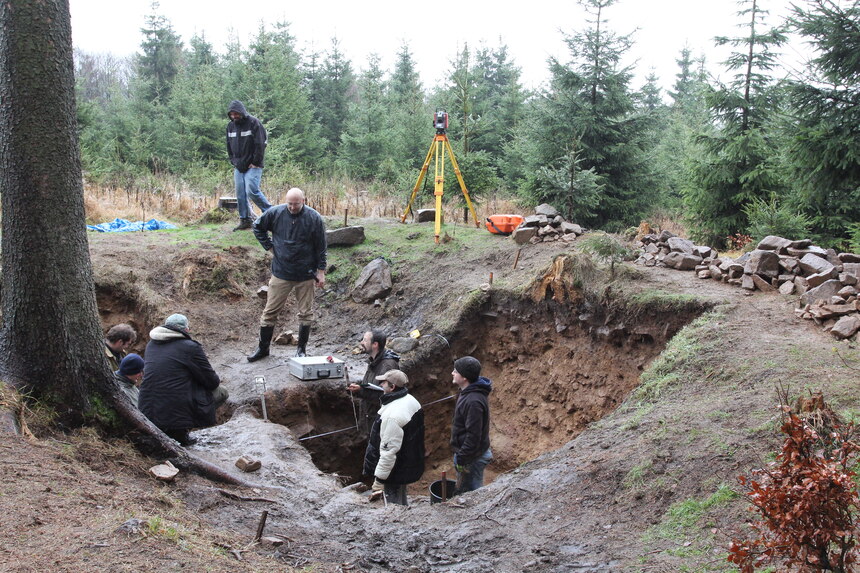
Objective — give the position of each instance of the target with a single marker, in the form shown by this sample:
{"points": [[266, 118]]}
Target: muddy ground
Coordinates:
{"points": [[612, 416]]}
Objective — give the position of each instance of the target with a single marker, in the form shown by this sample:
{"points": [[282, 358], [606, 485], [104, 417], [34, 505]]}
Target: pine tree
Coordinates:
{"points": [[589, 108], [161, 60], [409, 117], [737, 162], [824, 146], [332, 89], [270, 85], [365, 143]]}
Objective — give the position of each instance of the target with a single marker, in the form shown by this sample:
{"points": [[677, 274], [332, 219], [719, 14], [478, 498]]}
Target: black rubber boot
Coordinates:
{"points": [[265, 341], [304, 334], [244, 224]]}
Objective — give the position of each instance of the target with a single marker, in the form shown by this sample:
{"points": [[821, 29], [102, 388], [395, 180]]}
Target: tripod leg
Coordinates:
{"points": [[439, 187], [462, 183], [418, 183]]}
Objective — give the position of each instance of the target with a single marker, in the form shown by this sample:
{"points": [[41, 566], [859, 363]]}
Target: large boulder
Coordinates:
{"points": [[774, 243], [547, 210], [425, 215], [681, 261], [567, 228], [345, 236], [373, 283], [764, 263], [522, 235], [681, 245], [812, 264], [846, 327], [665, 236], [822, 292]]}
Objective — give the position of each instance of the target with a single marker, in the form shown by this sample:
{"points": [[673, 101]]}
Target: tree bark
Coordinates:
{"points": [[50, 336], [51, 344]]}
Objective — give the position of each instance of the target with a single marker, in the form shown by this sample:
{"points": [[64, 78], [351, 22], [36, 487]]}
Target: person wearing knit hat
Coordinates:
{"points": [[129, 375], [470, 429], [180, 389]]}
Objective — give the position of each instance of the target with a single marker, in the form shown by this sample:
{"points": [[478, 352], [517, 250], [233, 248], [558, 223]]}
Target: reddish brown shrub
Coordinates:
{"points": [[807, 501]]}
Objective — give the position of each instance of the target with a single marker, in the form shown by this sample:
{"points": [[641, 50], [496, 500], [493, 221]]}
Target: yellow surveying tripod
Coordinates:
{"points": [[437, 147]]}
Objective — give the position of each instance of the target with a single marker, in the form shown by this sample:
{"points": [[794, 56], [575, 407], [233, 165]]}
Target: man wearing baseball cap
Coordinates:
{"points": [[395, 451], [470, 430]]}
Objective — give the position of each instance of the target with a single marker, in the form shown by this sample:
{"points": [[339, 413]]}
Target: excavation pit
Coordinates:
{"points": [[555, 369]]}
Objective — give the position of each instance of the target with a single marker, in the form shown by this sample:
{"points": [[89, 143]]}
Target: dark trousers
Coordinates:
{"points": [[395, 494]]}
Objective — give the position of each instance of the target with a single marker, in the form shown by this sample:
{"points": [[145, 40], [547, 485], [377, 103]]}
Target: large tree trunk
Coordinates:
{"points": [[50, 337]]}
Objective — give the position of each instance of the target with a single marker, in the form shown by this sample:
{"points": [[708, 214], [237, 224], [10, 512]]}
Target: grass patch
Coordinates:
{"points": [[686, 514], [668, 369], [661, 301], [635, 478]]}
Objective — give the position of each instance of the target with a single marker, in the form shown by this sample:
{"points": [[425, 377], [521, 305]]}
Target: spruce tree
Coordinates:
{"points": [[824, 141], [737, 159], [588, 114]]}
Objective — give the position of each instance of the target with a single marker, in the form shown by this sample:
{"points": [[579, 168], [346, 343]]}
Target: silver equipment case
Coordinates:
{"points": [[316, 367]]}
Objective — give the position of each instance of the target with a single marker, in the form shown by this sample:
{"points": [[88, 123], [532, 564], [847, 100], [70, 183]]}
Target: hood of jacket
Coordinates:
{"points": [[239, 107], [482, 384], [386, 354], [166, 334]]}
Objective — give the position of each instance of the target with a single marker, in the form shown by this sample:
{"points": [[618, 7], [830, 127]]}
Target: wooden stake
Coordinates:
{"points": [[517, 258], [491, 278], [261, 526], [345, 216]]}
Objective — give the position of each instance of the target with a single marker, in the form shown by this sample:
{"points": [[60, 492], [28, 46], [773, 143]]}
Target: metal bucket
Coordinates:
{"points": [[436, 490]]}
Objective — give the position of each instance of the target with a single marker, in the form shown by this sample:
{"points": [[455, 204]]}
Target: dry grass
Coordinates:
{"points": [[175, 202]]}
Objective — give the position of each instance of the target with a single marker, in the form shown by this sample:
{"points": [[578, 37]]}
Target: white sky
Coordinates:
{"points": [[434, 31]]}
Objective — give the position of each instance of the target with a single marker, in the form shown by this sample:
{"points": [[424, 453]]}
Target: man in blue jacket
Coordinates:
{"points": [[295, 234], [180, 390], [246, 147], [470, 430]]}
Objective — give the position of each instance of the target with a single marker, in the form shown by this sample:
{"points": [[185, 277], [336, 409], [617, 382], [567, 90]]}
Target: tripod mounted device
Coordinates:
{"points": [[438, 148]]}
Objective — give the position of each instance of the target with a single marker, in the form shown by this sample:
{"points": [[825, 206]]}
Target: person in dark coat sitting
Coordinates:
{"points": [[180, 390]]}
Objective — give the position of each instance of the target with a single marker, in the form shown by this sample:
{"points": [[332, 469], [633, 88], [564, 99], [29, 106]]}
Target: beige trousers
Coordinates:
{"points": [[279, 290]]}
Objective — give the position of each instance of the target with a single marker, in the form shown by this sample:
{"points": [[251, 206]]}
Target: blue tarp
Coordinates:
{"points": [[122, 226]]}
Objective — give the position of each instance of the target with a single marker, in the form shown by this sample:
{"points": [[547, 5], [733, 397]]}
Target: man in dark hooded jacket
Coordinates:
{"points": [[470, 430], [380, 360], [246, 148], [180, 390]]}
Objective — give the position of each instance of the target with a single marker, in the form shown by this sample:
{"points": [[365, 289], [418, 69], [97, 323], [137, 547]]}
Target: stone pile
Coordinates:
{"points": [[827, 282], [544, 226]]}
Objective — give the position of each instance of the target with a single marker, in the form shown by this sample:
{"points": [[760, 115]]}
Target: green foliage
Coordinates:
{"points": [[854, 237], [588, 114], [775, 218], [736, 163], [823, 152], [331, 89], [607, 249], [668, 370]]}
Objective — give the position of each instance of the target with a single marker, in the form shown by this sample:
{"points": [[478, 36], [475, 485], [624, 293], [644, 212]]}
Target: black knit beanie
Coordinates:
{"points": [[468, 367]]}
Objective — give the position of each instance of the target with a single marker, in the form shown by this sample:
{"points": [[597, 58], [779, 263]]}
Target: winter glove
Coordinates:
{"points": [[376, 490], [461, 469]]}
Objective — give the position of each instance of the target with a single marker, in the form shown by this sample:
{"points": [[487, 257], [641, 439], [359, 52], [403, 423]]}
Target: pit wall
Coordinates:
{"points": [[555, 369]]}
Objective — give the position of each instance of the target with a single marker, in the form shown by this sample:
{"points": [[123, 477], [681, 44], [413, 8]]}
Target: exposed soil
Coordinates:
{"points": [[588, 470]]}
